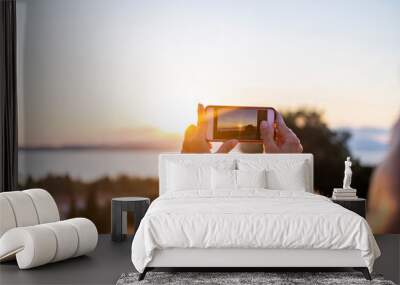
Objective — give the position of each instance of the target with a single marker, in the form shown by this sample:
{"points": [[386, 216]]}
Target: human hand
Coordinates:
{"points": [[286, 140], [195, 137]]}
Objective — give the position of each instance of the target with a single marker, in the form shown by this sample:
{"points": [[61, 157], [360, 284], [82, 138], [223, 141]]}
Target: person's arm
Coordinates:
{"points": [[384, 192]]}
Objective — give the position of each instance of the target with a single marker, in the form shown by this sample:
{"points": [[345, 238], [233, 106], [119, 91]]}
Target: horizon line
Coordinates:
{"points": [[78, 147]]}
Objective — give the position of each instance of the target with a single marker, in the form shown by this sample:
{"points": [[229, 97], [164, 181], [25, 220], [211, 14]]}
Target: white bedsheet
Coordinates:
{"points": [[250, 219]]}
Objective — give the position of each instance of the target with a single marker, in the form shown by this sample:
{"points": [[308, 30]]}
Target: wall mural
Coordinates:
{"points": [[103, 91]]}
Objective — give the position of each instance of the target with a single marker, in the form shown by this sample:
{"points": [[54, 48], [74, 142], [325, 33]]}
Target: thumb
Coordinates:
{"points": [[227, 146], [282, 127], [267, 135]]}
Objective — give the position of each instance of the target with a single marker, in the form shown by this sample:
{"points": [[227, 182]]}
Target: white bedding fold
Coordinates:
{"points": [[250, 219]]}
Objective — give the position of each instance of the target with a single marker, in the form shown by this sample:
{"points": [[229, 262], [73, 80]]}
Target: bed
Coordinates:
{"points": [[245, 211]]}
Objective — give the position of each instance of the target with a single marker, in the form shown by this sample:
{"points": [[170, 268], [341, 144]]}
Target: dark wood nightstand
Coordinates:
{"points": [[358, 205]]}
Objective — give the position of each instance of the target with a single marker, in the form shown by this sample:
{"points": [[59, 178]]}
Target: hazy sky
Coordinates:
{"points": [[104, 71]]}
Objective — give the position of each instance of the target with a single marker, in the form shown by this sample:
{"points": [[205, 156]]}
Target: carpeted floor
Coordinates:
{"points": [[225, 278]]}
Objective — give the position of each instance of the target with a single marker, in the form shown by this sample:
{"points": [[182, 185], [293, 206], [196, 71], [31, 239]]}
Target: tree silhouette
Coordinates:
{"points": [[330, 150]]}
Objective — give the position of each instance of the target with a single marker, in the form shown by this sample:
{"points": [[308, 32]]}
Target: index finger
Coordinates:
{"points": [[267, 135], [201, 118], [281, 125]]}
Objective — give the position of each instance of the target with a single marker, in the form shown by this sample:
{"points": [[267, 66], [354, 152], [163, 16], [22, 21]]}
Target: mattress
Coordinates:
{"points": [[250, 219]]}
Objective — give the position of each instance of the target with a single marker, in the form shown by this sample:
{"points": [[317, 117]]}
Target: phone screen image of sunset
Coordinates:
{"points": [[236, 124]]}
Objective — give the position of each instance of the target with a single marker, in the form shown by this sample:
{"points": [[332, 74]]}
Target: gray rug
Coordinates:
{"points": [[225, 278]]}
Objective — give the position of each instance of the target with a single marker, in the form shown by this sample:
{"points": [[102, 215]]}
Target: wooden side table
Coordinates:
{"points": [[119, 208], [358, 205]]}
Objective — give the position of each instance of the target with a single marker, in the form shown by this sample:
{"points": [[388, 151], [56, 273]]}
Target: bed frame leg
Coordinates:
{"points": [[143, 274], [364, 271]]}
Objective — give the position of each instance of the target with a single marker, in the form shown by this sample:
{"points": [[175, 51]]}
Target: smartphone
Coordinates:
{"points": [[234, 122]]}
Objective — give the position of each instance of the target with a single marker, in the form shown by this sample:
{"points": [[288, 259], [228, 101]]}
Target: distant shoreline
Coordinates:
{"points": [[97, 147], [367, 157]]}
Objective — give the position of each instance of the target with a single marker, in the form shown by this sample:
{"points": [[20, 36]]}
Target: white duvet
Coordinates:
{"points": [[250, 219]]}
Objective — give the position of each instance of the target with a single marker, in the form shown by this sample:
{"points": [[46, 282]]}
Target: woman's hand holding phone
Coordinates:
{"points": [[195, 137], [285, 140]]}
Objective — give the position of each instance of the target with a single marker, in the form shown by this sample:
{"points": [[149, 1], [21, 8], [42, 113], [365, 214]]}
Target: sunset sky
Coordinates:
{"points": [[98, 71]]}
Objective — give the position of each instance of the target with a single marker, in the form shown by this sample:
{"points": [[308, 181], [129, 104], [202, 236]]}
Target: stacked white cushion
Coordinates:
{"points": [[31, 232], [191, 177], [293, 178], [282, 174], [222, 172], [296, 169], [251, 178], [226, 179], [194, 175], [223, 179]]}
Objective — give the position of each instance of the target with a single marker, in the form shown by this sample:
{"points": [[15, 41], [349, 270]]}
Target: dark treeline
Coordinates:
{"points": [[93, 199], [330, 149]]}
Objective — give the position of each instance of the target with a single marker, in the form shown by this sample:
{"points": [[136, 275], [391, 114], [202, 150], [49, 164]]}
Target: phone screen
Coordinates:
{"points": [[239, 122]]}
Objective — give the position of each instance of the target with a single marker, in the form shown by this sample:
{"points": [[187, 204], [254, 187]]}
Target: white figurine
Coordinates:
{"points": [[347, 174]]}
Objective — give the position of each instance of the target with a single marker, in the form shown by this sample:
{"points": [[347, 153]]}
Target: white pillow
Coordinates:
{"points": [[223, 179], [251, 178], [282, 174], [292, 178], [182, 177]]}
